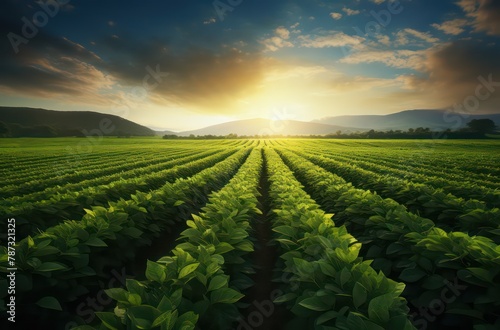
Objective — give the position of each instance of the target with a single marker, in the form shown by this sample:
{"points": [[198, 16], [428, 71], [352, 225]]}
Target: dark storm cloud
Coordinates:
{"points": [[204, 67], [201, 77], [488, 17], [45, 65], [485, 13], [463, 72]]}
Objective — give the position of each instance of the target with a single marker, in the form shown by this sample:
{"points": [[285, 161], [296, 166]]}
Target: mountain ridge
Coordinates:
{"points": [[403, 120], [38, 122], [261, 126]]}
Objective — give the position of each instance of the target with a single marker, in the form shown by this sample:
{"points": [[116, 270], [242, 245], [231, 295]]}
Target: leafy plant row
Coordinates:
{"points": [[426, 166], [106, 179], [22, 160], [36, 181], [409, 247], [449, 212], [462, 188], [48, 212], [329, 286], [40, 167], [66, 260], [90, 175], [199, 282], [20, 163], [474, 160], [44, 172]]}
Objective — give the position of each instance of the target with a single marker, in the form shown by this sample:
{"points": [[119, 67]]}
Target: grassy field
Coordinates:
{"points": [[250, 234]]}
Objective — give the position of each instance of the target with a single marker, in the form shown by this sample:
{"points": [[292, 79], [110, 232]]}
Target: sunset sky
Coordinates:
{"points": [[180, 65]]}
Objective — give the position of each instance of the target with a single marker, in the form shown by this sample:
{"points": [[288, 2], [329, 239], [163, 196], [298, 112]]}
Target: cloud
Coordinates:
{"points": [[52, 67], [453, 27], [451, 74], [336, 16], [402, 37], [485, 13], [360, 83], [211, 20], [350, 12], [401, 59], [331, 39], [278, 41], [284, 71], [378, 2], [383, 39], [282, 32], [198, 79]]}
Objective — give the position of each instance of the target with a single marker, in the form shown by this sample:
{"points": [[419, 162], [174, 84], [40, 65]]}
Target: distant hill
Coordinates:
{"points": [[30, 122], [261, 126], [161, 133], [433, 119]]}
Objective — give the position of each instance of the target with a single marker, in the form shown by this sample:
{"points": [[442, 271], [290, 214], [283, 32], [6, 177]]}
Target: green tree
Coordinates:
{"points": [[4, 129], [482, 125]]}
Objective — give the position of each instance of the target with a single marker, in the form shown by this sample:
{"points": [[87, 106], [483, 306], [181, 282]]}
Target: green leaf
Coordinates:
{"points": [[186, 321], [359, 294], [394, 248], [223, 247], [218, 282], [188, 269], [117, 294], [45, 251], [325, 317], [50, 267], [482, 274], [134, 299], [176, 297], [132, 232], [155, 272], [433, 282], [49, 303], [345, 276], [134, 286], [110, 320], [315, 304], [327, 269], [285, 298], [167, 319], [225, 296], [178, 203], [412, 275], [245, 246], [165, 305], [303, 266], [286, 230], [97, 242], [143, 316], [378, 309]]}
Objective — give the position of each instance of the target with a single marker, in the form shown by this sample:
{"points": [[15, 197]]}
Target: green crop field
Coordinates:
{"points": [[250, 234]]}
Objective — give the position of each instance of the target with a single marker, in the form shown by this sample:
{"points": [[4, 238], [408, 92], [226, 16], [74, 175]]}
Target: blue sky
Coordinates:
{"points": [[183, 65]]}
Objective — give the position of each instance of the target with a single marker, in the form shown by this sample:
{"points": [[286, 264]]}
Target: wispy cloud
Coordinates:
{"points": [[403, 36], [330, 39], [401, 59], [350, 12], [211, 20], [336, 16], [452, 27], [279, 40]]}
